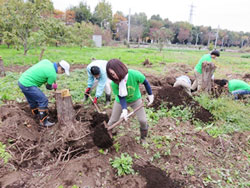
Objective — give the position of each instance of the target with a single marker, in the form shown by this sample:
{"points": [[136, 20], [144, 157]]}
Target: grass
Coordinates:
{"points": [[234, 62]]}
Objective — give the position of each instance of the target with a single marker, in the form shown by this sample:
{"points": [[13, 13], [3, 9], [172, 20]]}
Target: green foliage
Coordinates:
{"points": [[211, 46], [245, 56], [180, 112], [230, 115], [123, 165], [3, 154]]}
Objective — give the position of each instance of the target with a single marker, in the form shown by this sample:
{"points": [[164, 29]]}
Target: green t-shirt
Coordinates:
{"points": [[40, 73], [234, 85], [134, 79], [206, 57]]}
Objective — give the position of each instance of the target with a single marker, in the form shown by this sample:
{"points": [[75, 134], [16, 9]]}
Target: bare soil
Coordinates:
{"points": [[177, 155]]}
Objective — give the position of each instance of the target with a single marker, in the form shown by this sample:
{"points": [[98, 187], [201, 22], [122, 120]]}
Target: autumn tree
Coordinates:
{"points": [[82, 12]]}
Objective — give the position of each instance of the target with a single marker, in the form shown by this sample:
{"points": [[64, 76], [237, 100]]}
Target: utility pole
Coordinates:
{"points": [[129, 25], [217, 35]]}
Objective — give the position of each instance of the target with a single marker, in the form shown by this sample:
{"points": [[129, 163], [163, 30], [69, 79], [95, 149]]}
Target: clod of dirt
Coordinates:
{"points": [[156, 178], [98, 118], [101, 137], [146, 63]]}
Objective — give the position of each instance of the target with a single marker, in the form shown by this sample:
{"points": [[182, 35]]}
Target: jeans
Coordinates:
{"points": [[236, 93], [34, 96]]}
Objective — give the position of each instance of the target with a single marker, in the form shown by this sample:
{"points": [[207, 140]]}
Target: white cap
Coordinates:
{"points": [[65, 65]]}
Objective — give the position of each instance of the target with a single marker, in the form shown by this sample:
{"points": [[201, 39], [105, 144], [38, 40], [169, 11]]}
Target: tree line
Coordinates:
{"points": [[29, 23]]}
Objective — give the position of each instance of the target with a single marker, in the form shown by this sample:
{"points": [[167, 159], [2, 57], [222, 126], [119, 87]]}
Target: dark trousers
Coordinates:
{"points": [[34, 96]]}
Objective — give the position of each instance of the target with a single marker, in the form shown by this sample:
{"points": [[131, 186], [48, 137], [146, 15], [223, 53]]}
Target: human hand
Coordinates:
{"points": [[95, 100], [87, 91], [54, 86], [150, 99], [124, 114]]}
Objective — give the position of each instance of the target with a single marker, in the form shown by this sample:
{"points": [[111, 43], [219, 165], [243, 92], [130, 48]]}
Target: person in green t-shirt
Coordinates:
{"points": [[236, 87], [198, 69], [125, 86], [44, 72]]}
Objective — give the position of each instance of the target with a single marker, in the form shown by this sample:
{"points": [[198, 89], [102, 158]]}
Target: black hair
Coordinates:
{"points": [[216, 53], [221, 83], [95, 70]]}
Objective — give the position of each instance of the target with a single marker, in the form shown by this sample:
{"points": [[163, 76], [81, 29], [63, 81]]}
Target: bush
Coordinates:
{"points": [[123, 164]]}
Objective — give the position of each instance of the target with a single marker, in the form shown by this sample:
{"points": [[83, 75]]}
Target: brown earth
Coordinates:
{"points": [[177, 154]]}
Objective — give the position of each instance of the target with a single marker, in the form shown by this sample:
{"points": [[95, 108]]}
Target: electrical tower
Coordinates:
{"points": [[191, 14]]}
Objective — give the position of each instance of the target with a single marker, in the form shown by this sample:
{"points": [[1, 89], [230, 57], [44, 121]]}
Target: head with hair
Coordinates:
{"points": [[95, 70], [215, 53], [222, 82], [116, 70]]}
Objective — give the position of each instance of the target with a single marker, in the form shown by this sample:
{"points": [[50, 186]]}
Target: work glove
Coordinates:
{"points": [[124, 114], [150, 99], [95, 100], [87, 91], [54, 86]]}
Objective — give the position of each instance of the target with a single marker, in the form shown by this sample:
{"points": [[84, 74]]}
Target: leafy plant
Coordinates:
{"points": [[123, 165], [3, 154]]}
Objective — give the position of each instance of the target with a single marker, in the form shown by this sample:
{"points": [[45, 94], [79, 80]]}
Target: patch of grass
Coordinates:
{"points": [[231, 116], [4, 155]]}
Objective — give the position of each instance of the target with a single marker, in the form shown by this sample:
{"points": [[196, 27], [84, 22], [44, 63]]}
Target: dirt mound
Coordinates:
{"points": [[156, 178], [246, 77], [176, 96], [101, 137]]}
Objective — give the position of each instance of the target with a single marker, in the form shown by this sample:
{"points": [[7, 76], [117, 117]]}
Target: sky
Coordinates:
{"points": [[233, 15]]}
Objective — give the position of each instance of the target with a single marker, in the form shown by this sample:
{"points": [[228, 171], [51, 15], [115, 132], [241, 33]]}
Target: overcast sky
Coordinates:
{"points": [[227, 14]]}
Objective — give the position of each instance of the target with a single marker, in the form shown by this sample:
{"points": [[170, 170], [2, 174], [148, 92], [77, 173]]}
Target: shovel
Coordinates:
{"points": [[102, 135], [96, 106]]}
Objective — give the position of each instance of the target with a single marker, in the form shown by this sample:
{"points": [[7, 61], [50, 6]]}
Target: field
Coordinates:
{"points": [[200, 141]]}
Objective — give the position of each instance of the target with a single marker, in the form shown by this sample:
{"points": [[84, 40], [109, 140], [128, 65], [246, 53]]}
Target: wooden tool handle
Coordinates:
{"points": [[97, 108], [130, 114]]}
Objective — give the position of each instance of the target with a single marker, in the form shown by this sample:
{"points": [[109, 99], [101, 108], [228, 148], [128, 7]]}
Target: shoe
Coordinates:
{"points": [[47, 123], [43, 116]]}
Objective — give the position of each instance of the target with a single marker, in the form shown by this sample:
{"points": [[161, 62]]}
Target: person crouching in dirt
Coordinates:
{"points": [[198, 68], [97, 76], [43, 72], [125, 85], [184, 82], [236, 87]]}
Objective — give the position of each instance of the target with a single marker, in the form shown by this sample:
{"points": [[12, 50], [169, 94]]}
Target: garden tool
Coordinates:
{"points": [[102, 135], [96, 106]]}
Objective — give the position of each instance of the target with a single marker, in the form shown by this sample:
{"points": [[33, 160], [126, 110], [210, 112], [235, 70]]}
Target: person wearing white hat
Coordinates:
{"points": [[44, 72]]}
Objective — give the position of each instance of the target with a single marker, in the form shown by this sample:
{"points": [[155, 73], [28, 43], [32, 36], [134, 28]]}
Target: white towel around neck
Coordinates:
{"points": [[122, 87]]}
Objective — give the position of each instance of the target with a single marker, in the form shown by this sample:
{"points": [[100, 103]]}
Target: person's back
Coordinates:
{"points": [[38, 74], [185, 82], [235, 84], [204, 58]]}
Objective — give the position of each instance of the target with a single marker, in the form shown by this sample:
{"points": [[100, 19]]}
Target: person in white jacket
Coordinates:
{"points": [[185, 82], [97, 76]]}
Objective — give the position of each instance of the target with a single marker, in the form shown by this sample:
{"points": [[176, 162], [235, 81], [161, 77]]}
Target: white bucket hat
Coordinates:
{"points": [[65, 65]]}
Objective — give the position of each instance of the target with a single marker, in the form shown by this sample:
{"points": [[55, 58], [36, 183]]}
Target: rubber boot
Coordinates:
{"points": [[43, 115], [144, 134], [108, 99], [34, 112]]}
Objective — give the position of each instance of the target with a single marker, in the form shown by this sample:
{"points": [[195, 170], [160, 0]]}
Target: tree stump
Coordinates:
{"points": [[2, 72], [64, 107], [208, 69]]}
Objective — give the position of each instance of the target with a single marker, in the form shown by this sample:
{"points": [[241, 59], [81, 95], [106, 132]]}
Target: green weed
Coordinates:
{"points": [[3, 154], [123, 165]]}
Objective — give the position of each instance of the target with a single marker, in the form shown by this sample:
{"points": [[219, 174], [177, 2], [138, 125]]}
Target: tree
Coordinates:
{"points": [[103, 14], [82, 12], [82, 34], [183, 35], [119, 21], [25, 17]]}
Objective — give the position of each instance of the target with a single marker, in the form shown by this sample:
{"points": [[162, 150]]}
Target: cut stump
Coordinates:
{"points": [[208, 69], [64, 107]]}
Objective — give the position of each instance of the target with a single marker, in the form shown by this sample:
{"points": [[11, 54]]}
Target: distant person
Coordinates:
{"points": [[236, 87], [44, 72], [125, 85], [198, 68], [184, 82], [97, 76]]}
